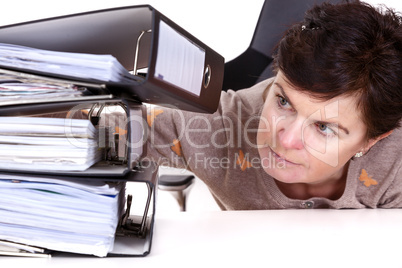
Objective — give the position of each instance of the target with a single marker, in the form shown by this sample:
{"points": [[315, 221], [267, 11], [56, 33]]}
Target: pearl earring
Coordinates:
{"points": [[360, 154]]}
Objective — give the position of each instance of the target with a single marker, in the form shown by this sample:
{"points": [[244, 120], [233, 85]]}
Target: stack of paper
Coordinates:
{"points": [[78, 65], [43, 144], [62, 215], [17, 87], [8, 248]]}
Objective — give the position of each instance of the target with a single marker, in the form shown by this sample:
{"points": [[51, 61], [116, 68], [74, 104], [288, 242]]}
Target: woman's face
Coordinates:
{"points": [[305, 140]]}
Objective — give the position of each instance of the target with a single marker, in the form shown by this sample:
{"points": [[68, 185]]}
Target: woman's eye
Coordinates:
{"points": [[322, 127], [325, 130], [282, 101]]}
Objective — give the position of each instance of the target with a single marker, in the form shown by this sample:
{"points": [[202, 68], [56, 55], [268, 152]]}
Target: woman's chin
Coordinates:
{"points": [[286, 175]]}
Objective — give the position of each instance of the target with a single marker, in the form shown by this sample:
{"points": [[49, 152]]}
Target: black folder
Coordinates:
{"points": [[134, 147], [135, 229], [136, 36]]}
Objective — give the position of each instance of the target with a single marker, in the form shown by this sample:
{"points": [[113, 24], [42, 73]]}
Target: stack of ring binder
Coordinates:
{"points": [[141, 47]]}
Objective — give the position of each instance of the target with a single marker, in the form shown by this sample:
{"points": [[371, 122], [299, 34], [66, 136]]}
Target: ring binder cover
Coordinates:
{"points": [[143, 40]]}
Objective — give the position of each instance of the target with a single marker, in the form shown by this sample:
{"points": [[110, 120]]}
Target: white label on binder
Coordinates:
{"points": [[179, 61]]}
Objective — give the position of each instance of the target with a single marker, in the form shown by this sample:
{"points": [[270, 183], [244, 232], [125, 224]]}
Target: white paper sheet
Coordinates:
{"points": [[77, 216], [80, 65], [37, 143]]}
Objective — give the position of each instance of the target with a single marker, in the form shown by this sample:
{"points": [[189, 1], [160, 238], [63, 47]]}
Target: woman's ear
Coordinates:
{"points": [[372, 142]]}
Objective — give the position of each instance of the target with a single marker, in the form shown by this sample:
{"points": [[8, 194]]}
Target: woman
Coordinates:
{"points": [[323, 133]]}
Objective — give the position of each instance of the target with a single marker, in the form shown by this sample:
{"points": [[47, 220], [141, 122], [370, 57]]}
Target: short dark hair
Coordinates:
{"points": [[350, 48]]}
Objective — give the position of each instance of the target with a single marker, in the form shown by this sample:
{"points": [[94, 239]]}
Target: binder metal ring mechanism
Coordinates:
{"points": [[153, 60]]}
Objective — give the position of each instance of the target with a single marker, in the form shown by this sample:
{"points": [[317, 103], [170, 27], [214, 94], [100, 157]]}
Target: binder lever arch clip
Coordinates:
{"points": [[129, 226], [137, 49]]}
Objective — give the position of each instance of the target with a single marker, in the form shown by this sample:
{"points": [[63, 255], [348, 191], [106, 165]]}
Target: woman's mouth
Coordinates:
{"points": [[281, 159]]}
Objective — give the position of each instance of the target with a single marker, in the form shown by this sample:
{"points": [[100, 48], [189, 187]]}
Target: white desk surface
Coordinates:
{"points": [[285, 238]]}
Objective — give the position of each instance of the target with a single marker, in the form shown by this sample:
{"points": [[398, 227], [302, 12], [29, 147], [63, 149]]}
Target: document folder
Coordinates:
{"points": [[171, 66], [130, 142], [168, 66], [135, 228]]}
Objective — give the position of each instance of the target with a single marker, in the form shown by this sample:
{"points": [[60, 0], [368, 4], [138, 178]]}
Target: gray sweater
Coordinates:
{"points": [[219, 149]]}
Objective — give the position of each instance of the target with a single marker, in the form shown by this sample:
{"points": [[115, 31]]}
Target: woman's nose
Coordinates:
{"points": [[290, 135]]}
